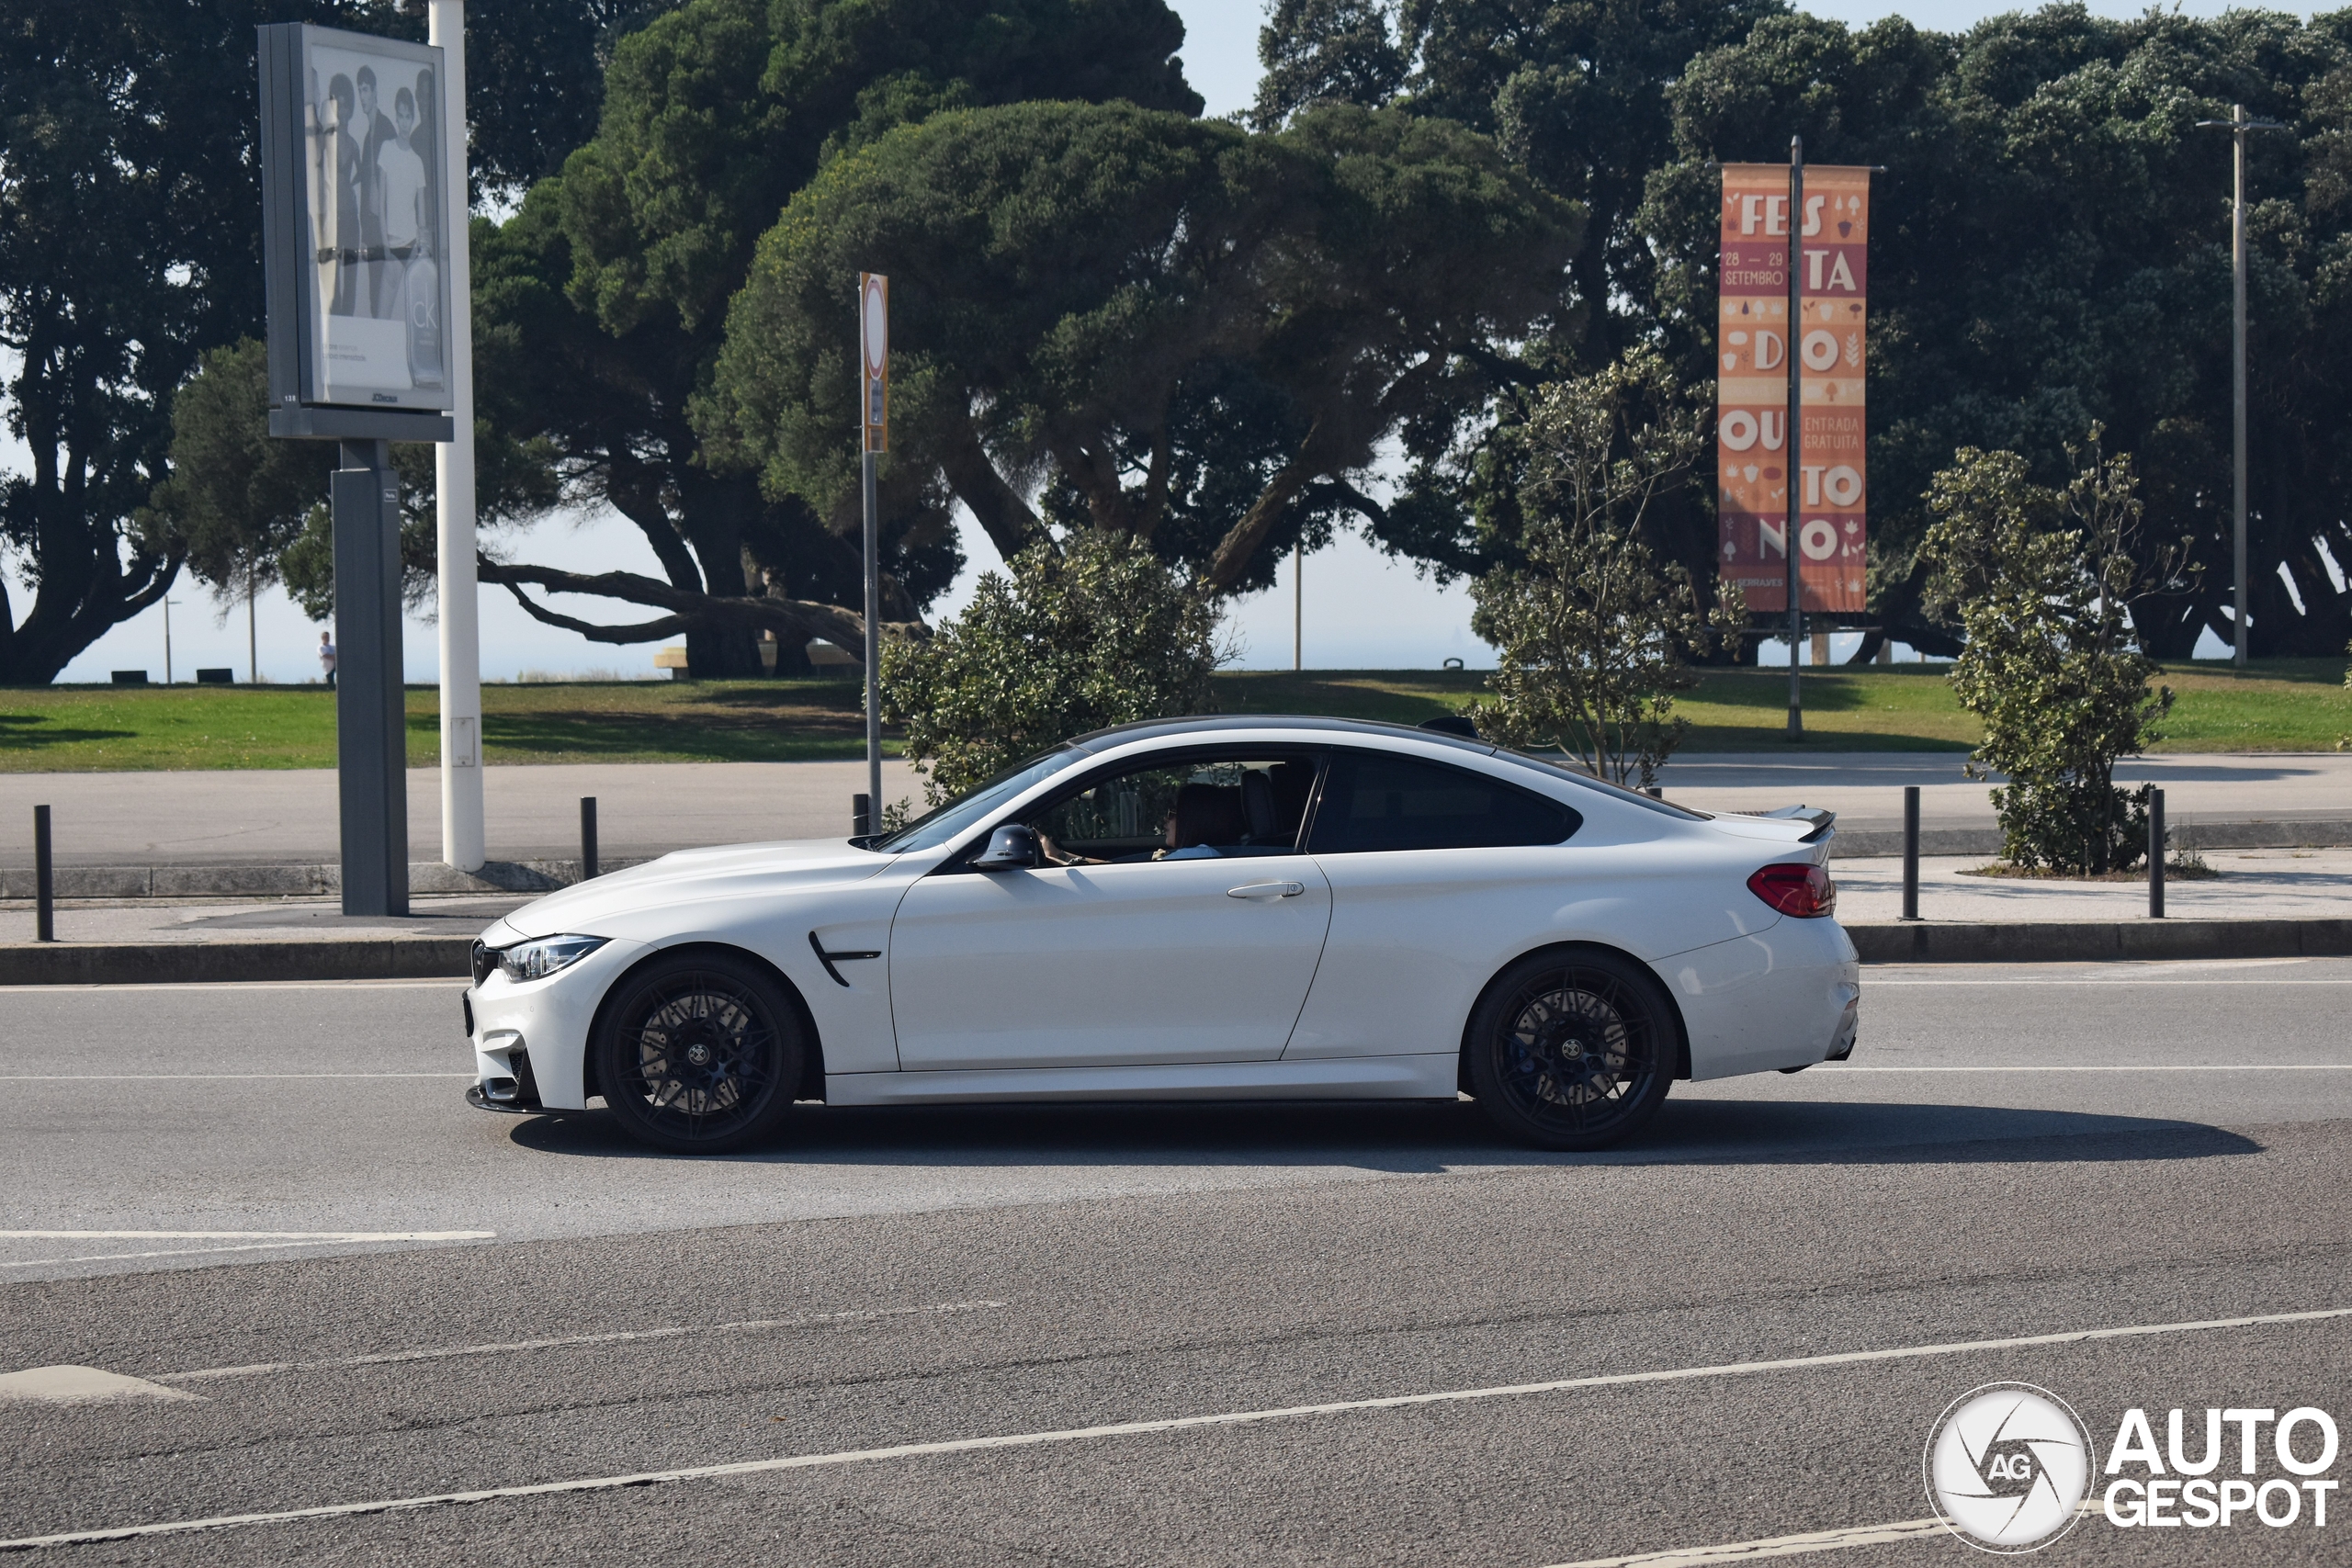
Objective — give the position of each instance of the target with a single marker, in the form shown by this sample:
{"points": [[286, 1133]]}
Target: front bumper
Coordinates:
{"points": [[530, 1037]]}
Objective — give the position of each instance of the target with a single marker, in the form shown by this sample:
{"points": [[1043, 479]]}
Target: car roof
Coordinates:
{"points": [[1233, 722]]}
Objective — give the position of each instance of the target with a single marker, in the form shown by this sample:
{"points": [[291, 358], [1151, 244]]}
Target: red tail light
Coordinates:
{"points": [[1805, 891]]}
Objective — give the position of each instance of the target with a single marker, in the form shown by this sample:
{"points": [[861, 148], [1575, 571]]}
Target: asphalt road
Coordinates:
{"points": [[2014, 1154]]}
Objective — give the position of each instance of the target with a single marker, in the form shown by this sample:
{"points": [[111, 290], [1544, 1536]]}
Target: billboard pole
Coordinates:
{"points": [[873, 430], [464, 843], [1796, 434]]}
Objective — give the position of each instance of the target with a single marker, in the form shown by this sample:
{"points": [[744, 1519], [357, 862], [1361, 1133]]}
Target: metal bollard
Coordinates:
{"points": [[1910, 851], [2155, 854], [44, 879], [587, 838], [861, 814]]}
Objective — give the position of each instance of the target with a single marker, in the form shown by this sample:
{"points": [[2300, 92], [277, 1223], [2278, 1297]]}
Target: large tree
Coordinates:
{"points": [[2051, 251], [1136, 321], [130, 243], [604, 299]]}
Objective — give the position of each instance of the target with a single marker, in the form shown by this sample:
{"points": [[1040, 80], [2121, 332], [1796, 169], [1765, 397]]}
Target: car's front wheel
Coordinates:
{"points": [[699, 1053], [1572, 1050]]}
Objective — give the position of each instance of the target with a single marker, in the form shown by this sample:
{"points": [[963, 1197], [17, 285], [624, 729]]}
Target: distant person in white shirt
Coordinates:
{"points": [[326, 656]]}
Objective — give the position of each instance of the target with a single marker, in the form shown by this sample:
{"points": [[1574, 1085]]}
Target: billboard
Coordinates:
{"points": [[357, 259], [1753, 342]]}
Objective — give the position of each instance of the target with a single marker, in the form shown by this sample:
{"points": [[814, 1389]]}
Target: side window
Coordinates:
{"points": [[1182, 808], [1391, 803]]}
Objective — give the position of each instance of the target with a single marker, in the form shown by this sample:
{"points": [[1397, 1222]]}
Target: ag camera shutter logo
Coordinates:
{"points": [[2006, 1467]]}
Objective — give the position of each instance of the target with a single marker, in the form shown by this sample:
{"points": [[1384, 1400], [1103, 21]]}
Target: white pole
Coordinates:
{"points": [[462, 841]]}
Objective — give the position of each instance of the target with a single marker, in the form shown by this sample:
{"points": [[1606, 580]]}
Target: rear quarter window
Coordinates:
{"points": [[1374, 801]]}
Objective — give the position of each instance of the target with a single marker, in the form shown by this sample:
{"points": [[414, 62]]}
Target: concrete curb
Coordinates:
{"points": [[2082, 941], [295, 879], [198, 963], [449, 957]]}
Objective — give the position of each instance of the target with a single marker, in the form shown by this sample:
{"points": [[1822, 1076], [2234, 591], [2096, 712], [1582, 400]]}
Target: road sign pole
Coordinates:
{"points": [[874, 433], [1795, 517]]}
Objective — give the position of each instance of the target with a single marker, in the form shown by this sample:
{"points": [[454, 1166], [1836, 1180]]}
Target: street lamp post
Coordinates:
{"points": [[2238, 125], [1795, 519]]}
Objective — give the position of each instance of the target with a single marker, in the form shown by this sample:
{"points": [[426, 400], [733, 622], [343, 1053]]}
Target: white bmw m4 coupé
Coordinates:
{"points": [[1208, 908]]}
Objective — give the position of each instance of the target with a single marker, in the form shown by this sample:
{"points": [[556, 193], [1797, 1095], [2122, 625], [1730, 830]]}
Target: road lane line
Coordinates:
{"points": [[390, 1358], [1842, 1069], [460, 981], [1774, 1546], [247, 1241], [202, 1077], [2134, 983], [1137, 1428]]}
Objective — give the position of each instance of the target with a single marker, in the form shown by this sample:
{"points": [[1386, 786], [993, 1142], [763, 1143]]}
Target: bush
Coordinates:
{"points": [[2042, 581], [1088, 633], [1591, 632]]}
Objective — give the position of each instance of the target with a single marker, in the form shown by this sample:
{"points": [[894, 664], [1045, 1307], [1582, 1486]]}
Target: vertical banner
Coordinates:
{"points": [[874, 352], [1753, 342]]}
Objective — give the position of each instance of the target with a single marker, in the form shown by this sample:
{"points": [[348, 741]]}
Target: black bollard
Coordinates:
{"points": [[2155, 854], [44, 879], [587, 838], [861, 814], [1910, 851]]}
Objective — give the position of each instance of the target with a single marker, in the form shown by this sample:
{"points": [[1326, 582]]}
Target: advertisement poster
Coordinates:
{"points": [[1753, 342], [377, 290]]}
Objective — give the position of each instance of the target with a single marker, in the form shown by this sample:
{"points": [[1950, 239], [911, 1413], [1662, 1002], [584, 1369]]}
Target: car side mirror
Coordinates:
{"points": [[1009, 849]]}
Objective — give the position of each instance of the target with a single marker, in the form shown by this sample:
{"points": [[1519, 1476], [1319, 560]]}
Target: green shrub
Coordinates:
{"points": [[2042, 581], [1085, 634], [1590, 634]]}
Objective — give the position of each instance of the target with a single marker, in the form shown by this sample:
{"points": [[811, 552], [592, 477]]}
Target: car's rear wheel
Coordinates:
{"points": [[699, 1053], [1572, 1050]]}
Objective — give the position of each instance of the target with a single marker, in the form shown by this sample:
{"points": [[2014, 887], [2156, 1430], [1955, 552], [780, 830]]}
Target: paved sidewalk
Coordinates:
{"points": [[2254, 884], [1865, 788], [645, 808], [272, 816]]}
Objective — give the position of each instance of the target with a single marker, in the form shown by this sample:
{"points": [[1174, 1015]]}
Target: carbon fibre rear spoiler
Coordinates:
{"points": [[1822, 820]]}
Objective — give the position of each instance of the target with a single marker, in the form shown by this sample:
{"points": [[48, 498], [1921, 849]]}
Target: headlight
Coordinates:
{"points": [[537, 960]]}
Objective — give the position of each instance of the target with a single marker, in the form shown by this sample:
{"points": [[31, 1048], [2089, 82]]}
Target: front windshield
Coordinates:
{"points": [[935, 828], [1579, 776]]}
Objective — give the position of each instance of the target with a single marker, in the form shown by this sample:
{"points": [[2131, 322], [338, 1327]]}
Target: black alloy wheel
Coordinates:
{"points": [[1572, 1050], [699, 1055]]}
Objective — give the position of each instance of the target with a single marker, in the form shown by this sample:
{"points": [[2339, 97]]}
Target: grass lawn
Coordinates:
{"points": [[2278, 705]]}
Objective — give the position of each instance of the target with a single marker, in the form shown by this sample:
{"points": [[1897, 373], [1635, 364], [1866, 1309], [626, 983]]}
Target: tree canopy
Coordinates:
{"points": [[1167, 328], [603, 301], [2051, 249]]}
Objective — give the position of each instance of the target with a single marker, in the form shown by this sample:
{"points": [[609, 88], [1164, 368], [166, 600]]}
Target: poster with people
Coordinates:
{"points": [[1753, 342], [378, 287]]}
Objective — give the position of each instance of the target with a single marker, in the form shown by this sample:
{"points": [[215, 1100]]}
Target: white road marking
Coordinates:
{"points": [[2124, 1067], [1774, 1546], [2058, 980], [815, 1320], [1137, 1428], [460, 981], [81, 1385], [248, 1241], [203, 1078]]}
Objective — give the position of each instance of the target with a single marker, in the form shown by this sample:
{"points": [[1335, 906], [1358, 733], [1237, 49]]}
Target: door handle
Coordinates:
{"points": [[1266, 890]]}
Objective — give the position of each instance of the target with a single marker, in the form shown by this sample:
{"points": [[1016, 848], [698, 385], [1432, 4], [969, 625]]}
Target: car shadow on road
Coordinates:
{"points": [[1417, 1137]]}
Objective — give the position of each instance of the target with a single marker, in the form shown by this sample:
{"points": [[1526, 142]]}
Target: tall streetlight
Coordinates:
{"points": [[1794, 522], [2238, 126]]}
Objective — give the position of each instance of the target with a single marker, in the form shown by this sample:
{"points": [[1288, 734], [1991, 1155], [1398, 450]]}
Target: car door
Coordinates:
{"points": [[1179, 923], [1438, 874]]}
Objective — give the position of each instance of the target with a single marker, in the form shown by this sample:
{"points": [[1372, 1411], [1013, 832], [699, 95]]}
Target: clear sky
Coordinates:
{"points": [[1361, 609]]}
